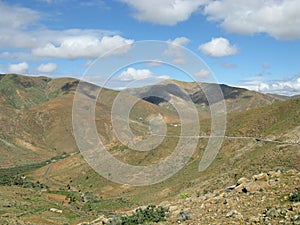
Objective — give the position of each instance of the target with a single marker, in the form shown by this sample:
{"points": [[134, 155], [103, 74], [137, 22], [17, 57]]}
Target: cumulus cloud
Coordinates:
{"points": [[132, 74], [175, 50], [202, 73], [18, 68], [20, 28], [218, 47], [179, 41], [47, 68], [83, 47], [166, 12], [135, 74], [288, 87], [278, 18], [14, 20]]}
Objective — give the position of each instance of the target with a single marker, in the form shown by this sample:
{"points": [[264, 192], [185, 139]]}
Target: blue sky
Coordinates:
{"points": [[253, 44]]}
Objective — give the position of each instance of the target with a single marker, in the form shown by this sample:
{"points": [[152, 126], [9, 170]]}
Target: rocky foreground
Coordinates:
{"points": [[266, 198]]}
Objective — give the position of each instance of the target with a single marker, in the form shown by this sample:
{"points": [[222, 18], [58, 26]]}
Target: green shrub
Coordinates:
{"points": [[142, 216], [19, 180], [295, 195], [184, 195], [119, 148]]}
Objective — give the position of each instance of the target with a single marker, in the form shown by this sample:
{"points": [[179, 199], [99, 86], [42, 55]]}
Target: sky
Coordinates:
{"points": [[253, 44]]}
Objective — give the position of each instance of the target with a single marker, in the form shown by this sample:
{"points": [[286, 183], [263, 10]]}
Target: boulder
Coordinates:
{"points": [[261, 176], [256, 186]]}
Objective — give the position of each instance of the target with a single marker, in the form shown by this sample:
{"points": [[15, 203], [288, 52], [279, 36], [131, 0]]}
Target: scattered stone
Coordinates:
{"points": [[274, 173], [56, 210], [254, 219], [230, 213], [263, 203], [173, 208], [183, 216], [235, 214], [165, 204], [261, 176], [273, 213]]}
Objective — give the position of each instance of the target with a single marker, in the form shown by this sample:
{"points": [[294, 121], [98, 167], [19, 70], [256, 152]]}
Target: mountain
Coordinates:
{"points": [[36, 117], [236, 99], [35, 113], [42, 169]]}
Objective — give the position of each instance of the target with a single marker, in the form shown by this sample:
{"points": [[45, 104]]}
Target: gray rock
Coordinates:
{"points": [[173, 208], [231, 213], [183, 216]]}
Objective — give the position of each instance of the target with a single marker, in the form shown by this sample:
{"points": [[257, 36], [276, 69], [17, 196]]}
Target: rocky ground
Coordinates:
{"points": [[266, 198]]}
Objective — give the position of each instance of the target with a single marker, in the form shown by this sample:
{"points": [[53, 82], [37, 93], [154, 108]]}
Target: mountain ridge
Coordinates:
{"points": [[236, 99], [36, 142]]}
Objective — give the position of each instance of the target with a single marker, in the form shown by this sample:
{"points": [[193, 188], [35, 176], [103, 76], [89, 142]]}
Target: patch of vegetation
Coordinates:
{"points": [[295, 195], [20, 181], [119, 148], [151, 214], [104, 205], [206, 191], [21, 169], [29, 167], [74, 196], [184, 195]]}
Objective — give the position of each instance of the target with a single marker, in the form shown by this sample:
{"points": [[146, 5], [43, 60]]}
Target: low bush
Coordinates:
{"points": [[295, 195], [142, 216]]}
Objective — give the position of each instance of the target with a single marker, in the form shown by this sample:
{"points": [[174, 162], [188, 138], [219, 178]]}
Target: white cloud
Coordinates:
{"points": [[282, 87], [218, 47], [135, 74], [132, 74], [278, 18], [18, 68], [47, 68], [14, 20], [83, 47], [166, 12], [175, 49], [129, 78], [17, 17], [179, 41], [203, 73], [20, 28]]}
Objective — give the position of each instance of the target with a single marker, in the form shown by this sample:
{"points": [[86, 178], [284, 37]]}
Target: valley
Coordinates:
{"points": [[42, 168]]}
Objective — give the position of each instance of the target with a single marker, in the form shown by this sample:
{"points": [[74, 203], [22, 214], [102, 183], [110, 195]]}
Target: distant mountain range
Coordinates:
{"points": [[36, 111], [236, 99]]}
